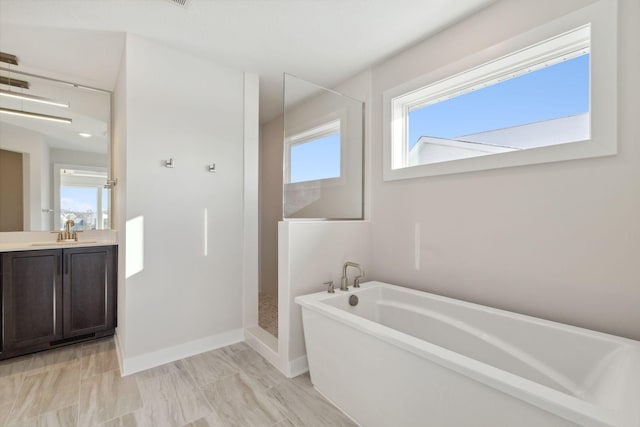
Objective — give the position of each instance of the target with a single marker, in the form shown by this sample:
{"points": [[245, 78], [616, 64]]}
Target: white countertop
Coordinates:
{"points": [[36, 240], [33, 246]]}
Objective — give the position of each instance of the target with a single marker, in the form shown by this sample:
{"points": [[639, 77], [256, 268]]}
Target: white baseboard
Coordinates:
{"points": [[116, 339], [266, 345], [146, 361], [298, 366], [263, 337]]}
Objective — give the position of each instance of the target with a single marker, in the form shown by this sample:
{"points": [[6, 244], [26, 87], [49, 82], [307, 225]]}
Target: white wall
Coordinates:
{"points": [[179, 300], [558, 241], [310, 253], [251, 226], [119, 193], [36, 170], [74, 157]]}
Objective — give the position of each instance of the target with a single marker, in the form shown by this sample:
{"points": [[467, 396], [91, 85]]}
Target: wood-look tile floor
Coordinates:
{"points": [[80, 385]]}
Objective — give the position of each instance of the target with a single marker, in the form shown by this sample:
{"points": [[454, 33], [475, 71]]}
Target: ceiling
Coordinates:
{"points": [[323, 41]]}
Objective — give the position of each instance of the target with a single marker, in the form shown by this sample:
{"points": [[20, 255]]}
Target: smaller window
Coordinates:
{"points": [[314, 154]]}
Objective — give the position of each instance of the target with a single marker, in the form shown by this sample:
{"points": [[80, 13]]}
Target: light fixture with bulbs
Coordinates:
{"points": [[8, 58], [9, 81], [13, 60], [84, 134], [33, 98], [34, 115]]}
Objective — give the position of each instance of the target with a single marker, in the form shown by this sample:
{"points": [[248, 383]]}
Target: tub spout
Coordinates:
{"points": [[344, 283]]}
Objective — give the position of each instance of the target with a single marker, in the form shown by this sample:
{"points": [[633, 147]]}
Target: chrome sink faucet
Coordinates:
{"points": [[344, 284]]}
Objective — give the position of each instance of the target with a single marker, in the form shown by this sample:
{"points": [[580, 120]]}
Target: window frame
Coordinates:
{"points": [[601, 17]]}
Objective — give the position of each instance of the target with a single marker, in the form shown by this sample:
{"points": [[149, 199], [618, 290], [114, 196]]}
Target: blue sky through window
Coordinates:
{"points": [[316, 159], [559, 90], [78, 199]]}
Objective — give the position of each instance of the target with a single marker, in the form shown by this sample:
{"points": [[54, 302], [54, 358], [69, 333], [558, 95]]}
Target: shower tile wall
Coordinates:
{"points": [[268, 313]]}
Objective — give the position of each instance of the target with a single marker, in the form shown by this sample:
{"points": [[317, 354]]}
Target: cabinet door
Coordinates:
{"points": [[88, 290], [31, 298]]}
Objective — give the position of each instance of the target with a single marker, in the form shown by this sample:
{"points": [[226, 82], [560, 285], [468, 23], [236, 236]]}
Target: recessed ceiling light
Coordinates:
{"points": [[84, 134]]}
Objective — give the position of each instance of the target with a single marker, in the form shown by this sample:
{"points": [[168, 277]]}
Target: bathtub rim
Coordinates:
{"points": [[564, 405]]}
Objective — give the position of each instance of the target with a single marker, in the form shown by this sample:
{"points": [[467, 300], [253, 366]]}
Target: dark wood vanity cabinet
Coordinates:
{"points": [[31, 298], [53, 297], [88, 290]]}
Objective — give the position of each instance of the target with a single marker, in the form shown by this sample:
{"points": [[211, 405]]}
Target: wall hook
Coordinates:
{"points": [[168, 163], [211, 168]]}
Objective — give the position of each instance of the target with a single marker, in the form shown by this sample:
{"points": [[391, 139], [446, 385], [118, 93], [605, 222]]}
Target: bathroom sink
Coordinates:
{"points": [[71, 243]]}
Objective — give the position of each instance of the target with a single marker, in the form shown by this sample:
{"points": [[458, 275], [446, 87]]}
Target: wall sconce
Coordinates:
{"points": [[211, 168], [168, 163]]}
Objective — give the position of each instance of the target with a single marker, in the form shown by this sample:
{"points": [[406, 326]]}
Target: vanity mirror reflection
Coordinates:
{"points": [[54, 153]]}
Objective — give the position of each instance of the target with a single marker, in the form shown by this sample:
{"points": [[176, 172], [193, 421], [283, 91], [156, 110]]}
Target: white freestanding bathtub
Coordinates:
{"points": [[407, 358]]}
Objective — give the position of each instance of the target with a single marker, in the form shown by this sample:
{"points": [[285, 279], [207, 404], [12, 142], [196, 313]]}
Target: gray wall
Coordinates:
{"points": [[558, 241]]}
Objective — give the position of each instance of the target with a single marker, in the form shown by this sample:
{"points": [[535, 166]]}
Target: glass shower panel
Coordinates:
{"points": [[323, 152]]}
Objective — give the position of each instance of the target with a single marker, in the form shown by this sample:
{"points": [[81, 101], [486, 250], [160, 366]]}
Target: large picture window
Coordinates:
{"points": [[548, 104], [510, 105]]}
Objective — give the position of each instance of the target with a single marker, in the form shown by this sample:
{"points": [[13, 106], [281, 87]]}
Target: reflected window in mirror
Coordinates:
{"points": [[83, 198]]}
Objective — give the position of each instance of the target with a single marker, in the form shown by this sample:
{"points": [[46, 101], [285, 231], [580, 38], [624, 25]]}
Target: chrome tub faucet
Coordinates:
{"points": [[344, 284]]}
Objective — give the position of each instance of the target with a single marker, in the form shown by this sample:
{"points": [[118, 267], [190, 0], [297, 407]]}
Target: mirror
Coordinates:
{"points": [[323, 152], [54, 159]]}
